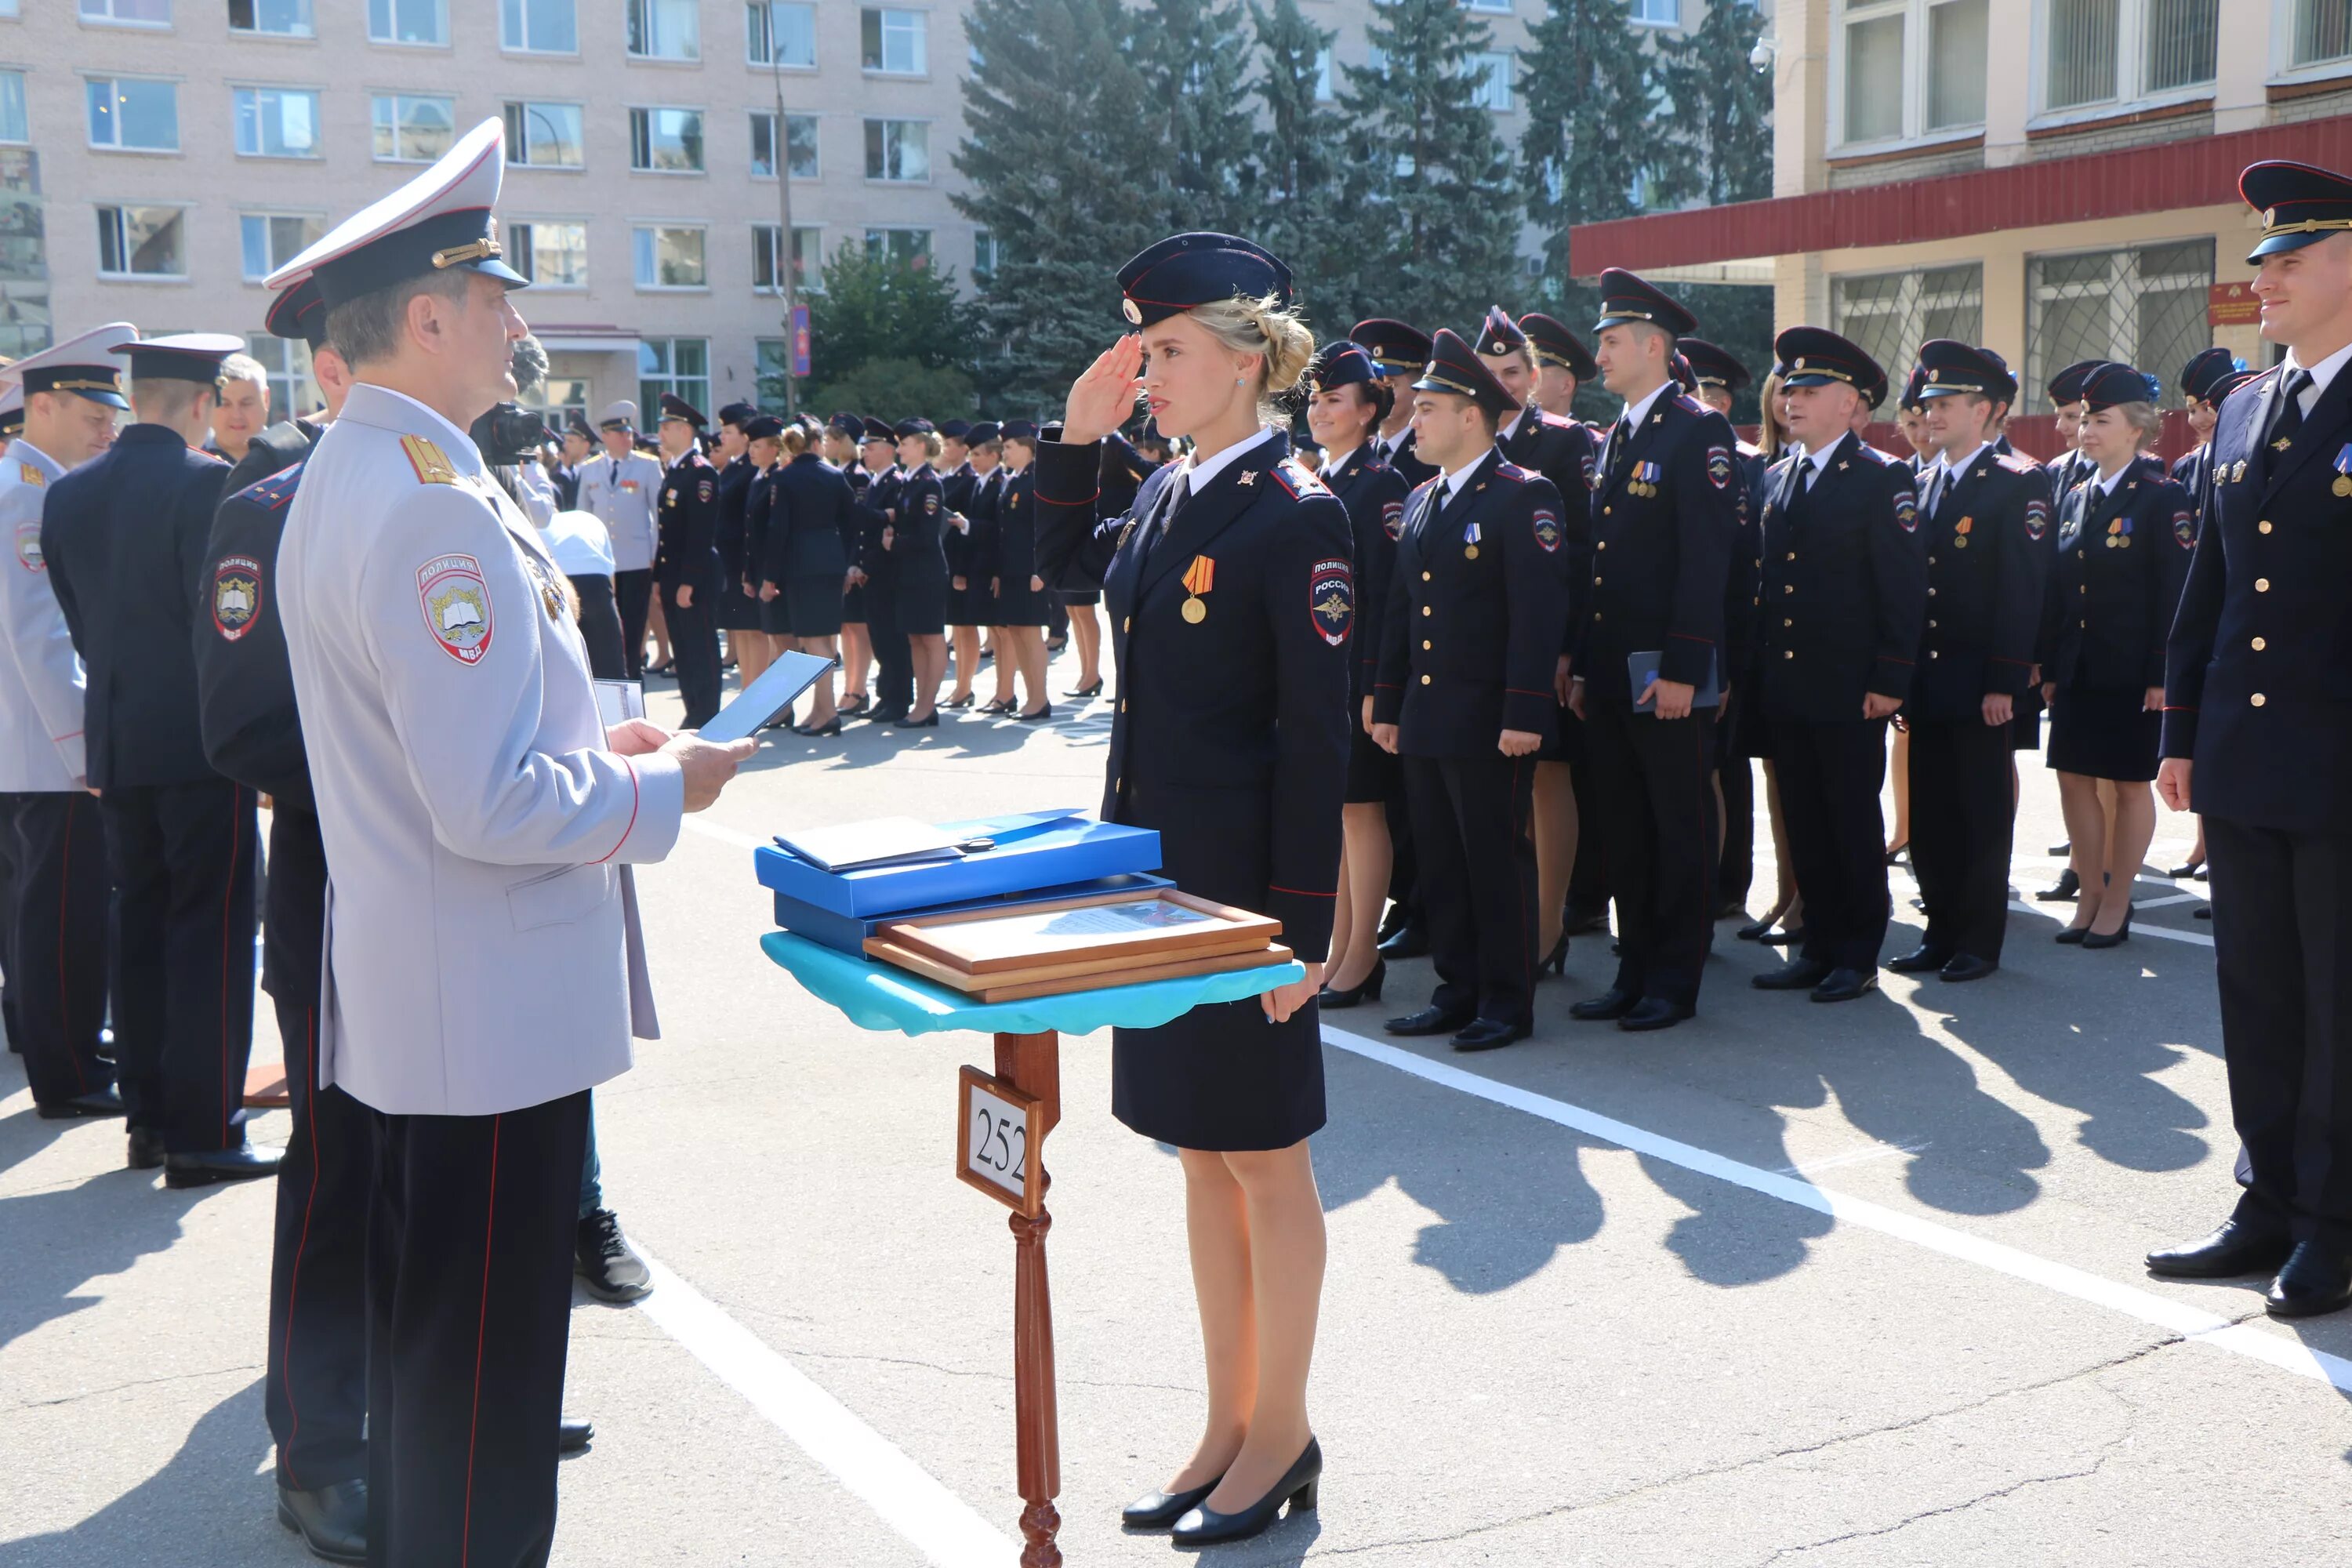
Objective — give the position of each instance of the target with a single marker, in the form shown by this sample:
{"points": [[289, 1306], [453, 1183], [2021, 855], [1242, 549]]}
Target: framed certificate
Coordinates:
{"points": [[1144, 927]]}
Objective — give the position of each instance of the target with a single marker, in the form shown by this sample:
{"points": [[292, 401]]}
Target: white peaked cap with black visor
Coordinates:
{"points": [[443, 220]]}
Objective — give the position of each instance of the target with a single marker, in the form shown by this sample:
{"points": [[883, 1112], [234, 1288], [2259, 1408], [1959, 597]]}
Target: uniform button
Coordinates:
{"points": [[1931, 593], [2262, 584], [1114, 783], [1931, 561], [1604, 544], [1931, 625], [1596, 582], [1932, 654], [1788, 653], [2079, 555], [1122, 704], [2083, 623], [1596, 615], [1424, 680], [1425, 576], [2264, 526], [1425, 645], [1126, 626], [1607, 511], [2258, 699], [1787, 622], [1428, 609], [1787, 587], [1792, 555], [2084, 589]]}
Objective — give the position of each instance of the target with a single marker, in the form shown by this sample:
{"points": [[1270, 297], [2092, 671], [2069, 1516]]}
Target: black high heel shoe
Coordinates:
{"points": [[830, 727], [1557, 959], [851, 705], [2187, 870], [1039, 717], [1094, 690], [1203, 1526], [1366, 989], [1001, 705], [2072, 936], [959, 702], [1793, 936], [929, 722], [1158, 1510], [2116, 938], [1755, 933]]}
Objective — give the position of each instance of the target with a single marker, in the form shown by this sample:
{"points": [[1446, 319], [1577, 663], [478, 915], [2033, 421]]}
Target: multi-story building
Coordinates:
{"points": [[159, 157], [2055, 179]]}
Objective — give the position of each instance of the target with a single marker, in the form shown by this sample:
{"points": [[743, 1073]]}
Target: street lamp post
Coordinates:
{"points": [[786, 284]]}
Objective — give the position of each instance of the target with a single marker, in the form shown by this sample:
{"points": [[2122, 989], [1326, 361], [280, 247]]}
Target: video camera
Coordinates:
{"points": [[510, 434]]}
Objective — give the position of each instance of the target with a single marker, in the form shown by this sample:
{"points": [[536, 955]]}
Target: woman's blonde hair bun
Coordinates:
{"points": [[1263, 326]]}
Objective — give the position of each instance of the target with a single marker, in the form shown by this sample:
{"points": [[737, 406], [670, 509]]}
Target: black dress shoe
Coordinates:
{"points": [[2187, 870], [1966, 966], [2202, 912], [104, 1102], [1366, 990], [2072, 936], [885, 715], [1655, 1013], [2234, 1249], [1792, 936], [829, 728], [1039, 717], [852, 705], [1094, 690], [1431, 1020], [1611, 1003], [1204, 1526], [240, 1165], [606, 1263], [332, 1520], [2115, 938], [2058, 849], [2069, 887], [1756, 931], [929, 722], [146, 1149], [2317, 1278], [1846, 984], [1486, 1033], [1797, 974], [1412, 942], [1920, 960], [573, 1435], [1158, 1510]]}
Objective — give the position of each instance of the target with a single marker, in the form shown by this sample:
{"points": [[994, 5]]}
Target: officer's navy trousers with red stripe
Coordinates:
{"points": [[183, 857], [1830, 774], [1963, 820], [470, 1283], [55, 943], [1477, 880], [316, 1391], [1655, 781]]}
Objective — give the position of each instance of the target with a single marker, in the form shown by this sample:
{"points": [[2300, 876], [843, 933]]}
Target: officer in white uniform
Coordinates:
{"points": [[53, 907], [621, 486], [484, 962]]}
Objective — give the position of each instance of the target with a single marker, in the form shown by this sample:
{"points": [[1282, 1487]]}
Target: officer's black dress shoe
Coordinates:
{"points": [[1845, 985], [146, 1150], [2058, 849], [1797, 974], [1204, 1527], [2317, 1278], [332, 1520], [1787, 936], [2069, 887], [1966, 966], [242, 1164], [1412, 940], [2233, 1249], [605, 1261], [1430, 1020], [573, 1435], [1158, 1510], [97, 1103], [1611, 1003], [1920, 960], [1655, 1013], [1486, 1033]]}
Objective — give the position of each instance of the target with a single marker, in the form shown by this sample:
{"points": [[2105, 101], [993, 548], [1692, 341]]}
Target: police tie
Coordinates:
{"points": [[1620, 440], [1178, 494], [2289, 421]]}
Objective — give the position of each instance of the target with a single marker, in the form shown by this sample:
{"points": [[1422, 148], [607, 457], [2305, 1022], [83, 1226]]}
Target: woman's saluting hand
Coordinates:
{"points": [[1103, 397]]}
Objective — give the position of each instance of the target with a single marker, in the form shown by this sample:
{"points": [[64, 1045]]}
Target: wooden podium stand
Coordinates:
{"points": [[1033, 1064]]}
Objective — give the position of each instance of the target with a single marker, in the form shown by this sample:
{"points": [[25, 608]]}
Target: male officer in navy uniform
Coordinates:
{"points": [[1987, 519], [1470, 637], [2255, 740], [1665, 520], [894, 680], [1401, 351], [1562, 363], [124, 537], [1844, 589], [686, 565]]}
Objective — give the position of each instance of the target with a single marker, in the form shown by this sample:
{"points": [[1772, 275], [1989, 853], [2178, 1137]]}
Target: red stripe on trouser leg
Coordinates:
{"points": [[294, 1276], [481, 1334], [228, 905], [65, 992]]}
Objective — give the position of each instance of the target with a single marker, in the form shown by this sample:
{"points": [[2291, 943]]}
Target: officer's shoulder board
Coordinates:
{"points": [[274, 491], [1689, 405], [1298, 479], [1427, 484], [1869, 454], [1513, 472], [2017, 463], [430, 463], [1551, 421], [29, 474]]}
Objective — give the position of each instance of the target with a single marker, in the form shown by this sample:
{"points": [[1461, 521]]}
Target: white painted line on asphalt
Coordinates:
{"points": [[911, 1501], [2171, 898], [2157, 1311], [1862, 1155]]}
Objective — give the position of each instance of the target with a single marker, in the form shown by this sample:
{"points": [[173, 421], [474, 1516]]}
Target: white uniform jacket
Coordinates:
{"points": [[623, 495], [483, 953], [41, 677]]}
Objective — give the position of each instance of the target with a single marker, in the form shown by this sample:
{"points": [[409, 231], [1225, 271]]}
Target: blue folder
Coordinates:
{"points": [[1033, 849], [847, 933]]}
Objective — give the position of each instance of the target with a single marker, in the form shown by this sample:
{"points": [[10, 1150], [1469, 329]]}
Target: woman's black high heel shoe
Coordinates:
{"points": [[1094, 690], [1203, 1526], [1557, 959], [1793, 936], [1001, 705], [963, 702], [1039, 717], [1368, 989], [1158, 1510], [2072, 936], [1755, 932], [830, 727], [2117, 938], [2187, 870], [851, 704]]}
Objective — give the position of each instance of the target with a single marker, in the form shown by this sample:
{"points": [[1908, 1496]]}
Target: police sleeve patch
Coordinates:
{"points": [[705, 491], [1331, 600], [1906, 510], [2184, 529], [1591, 473], [236, 596], [1718, 467], [2037, 518], [457, 604], [1547, 526], [28, 547], [1393, 519]]}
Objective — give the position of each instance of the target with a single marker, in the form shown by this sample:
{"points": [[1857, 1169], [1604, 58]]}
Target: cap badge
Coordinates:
{"points": [[1131, 310]]}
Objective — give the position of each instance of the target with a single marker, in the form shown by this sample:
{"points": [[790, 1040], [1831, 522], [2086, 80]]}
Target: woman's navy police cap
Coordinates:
{"points": [[2112, 384], [1341, 363], [1185, 270]]}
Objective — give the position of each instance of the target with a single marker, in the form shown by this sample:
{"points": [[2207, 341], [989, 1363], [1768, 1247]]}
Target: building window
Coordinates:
{"points": [[551, 255], [129, 13], [780, 32], [141, 242], [681, 366], [910, 245], [800, 134], [1657, 13], [272, 18], [408, 21], [1324, 92], [286, 363], [134, 115], [1957, 36], [14, 125], [983, 256], [1502, 6], [772, 363], [411, 129], [665, 29], [559, 400], [1491, 72], [665, 140], [540, 27], [807, 245], [892, 41], [544, 135], [1911, 68], [1874, 77], [2183, 42], [2323, 31], [1890, 314], [277, 122], [2105, 50], [670, 258], [270, 240], [899, 150], [2144, 307]]}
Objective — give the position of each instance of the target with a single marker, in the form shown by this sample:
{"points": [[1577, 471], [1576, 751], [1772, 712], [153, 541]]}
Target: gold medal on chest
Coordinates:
{"points": [[1196, 610], [2342, 485], [1469, 552]]}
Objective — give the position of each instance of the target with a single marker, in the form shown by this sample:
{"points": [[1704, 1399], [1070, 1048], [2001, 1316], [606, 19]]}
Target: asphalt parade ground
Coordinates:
{"points": [[1788, 1284]]}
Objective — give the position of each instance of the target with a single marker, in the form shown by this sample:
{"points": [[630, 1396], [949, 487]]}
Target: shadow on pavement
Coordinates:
{"points": [[59, 1240]]}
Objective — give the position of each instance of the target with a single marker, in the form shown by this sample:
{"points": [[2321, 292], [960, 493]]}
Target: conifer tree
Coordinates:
{"points": [[1722, 110], [1191, 54], [1297, 168], [1589, 95]]}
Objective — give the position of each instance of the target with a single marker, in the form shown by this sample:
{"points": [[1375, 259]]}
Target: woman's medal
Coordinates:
{"points": [[1199, 578]]}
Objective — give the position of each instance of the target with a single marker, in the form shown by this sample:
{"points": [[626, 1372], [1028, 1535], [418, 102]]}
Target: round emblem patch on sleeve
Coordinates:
{"points": [[457, 604], [1718, 467], [2037, 518], [28, 547], [1331, 600], [236, 596], [1547, 526], [1393, 519], [1906, 510], [2184, 529]]}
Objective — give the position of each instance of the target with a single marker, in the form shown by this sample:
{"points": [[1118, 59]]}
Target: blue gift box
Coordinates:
{"points": [[1035, 849], [847, 933]]}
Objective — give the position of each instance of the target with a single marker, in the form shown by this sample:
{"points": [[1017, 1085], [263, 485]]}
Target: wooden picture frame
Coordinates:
{"points": [[1090, 974], [1010, 1144], [1166, 925]]}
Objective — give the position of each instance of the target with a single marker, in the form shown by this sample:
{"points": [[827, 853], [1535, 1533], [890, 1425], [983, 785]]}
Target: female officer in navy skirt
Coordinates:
{"points": [[1231, 605], [1346, 402], [738, 611], [1021, 605], [918, 521], [812, 529], [968, 579], [2125, 536]]}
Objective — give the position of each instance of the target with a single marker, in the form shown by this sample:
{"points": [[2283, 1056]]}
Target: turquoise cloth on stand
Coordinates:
{"points": [[874, 995]]}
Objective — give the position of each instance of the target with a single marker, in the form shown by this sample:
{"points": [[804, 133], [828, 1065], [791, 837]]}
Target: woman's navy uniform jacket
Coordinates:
{"points": [[1471, 633], [812, 524], [734, 521], [1843, 586], [957, 487], [1374, 494], [1988, 556], [2122, 558], [1230, 737]]}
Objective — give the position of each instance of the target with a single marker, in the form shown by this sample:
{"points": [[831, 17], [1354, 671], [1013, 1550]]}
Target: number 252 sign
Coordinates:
{"points": [[996, 1141]]}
